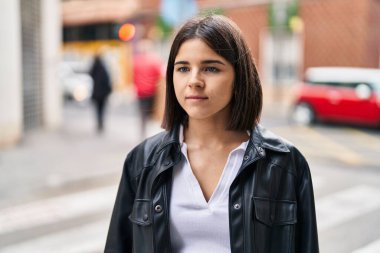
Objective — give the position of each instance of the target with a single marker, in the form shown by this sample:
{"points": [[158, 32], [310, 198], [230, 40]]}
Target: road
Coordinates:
{"points": [[64, 203]]}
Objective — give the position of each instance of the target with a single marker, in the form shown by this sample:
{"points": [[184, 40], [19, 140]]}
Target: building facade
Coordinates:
{"points": [[30, 95], [335, 32]]}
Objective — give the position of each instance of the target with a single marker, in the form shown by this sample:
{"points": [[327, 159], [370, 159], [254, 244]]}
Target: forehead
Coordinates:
{"points": [[196, 49]]}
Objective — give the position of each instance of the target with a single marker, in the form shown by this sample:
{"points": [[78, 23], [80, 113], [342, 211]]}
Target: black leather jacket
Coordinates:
{"points": [[271, 201]]}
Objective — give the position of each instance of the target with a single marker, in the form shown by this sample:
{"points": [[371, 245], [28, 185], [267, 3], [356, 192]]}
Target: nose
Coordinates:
{"points": [[196, 80]]}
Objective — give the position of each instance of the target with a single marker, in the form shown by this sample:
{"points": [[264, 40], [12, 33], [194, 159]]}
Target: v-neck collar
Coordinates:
{"points": [[230, 169]]}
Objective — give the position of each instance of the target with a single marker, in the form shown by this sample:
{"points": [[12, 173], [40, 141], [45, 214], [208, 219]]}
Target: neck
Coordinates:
{"points": [[211, 134]]}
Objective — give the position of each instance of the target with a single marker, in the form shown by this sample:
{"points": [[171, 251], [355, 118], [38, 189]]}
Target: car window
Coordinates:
{"points": [[334, 84], [354, 85], [320, 83], [351, 85]]}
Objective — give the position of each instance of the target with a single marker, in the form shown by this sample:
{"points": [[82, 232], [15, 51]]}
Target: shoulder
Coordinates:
{"points": [[144, 154], [282, 151]]}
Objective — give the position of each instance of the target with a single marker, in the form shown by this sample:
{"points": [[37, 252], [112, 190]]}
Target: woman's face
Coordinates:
{"points": [[203, 81]]}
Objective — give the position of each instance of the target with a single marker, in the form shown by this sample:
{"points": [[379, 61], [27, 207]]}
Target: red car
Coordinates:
{"points": [[347, 95]]}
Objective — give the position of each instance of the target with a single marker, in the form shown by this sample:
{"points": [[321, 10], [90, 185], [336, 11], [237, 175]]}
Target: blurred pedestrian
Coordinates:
{"points": [[147, 68], [101, 90], [215, 180]]}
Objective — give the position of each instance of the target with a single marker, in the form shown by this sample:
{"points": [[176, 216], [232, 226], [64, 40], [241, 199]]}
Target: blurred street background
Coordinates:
{"points": [[60, 169]]}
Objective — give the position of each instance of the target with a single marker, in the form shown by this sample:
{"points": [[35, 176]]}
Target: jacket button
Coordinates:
{"points": [[237, 206], [246, 157], [158, 208], [145, 217], [261, 151]]}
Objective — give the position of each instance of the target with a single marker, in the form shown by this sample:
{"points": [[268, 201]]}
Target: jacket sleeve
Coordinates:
{"points": [[306, 232], [119, 237]]}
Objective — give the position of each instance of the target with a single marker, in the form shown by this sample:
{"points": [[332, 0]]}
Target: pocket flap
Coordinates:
{"points": [[275, 212], [141, 212]]}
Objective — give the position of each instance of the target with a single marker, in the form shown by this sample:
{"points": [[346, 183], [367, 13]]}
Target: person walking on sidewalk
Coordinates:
{"points": [[101, 90], [146, 74], [216, 180]]}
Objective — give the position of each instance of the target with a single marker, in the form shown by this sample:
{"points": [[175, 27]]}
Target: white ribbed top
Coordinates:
{"points": [[198, 226]]}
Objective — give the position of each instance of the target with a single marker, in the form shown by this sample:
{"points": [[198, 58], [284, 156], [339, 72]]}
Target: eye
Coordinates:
{"points": [[183, 69], [211, 69]]}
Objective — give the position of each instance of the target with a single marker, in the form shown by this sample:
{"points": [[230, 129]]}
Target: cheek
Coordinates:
{"points": [[228, 84], [176, 83], [227, 90], [177, 91]]}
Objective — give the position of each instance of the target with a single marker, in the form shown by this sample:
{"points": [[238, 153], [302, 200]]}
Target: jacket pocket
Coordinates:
{"points": [[274, 223], [141, 212], [275, 212]]}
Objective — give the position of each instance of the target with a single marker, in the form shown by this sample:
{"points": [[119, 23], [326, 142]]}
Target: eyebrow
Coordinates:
{"points": [[203, 62]]}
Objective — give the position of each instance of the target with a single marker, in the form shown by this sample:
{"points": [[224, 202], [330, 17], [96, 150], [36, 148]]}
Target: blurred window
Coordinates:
{"points": [[104, 31]]}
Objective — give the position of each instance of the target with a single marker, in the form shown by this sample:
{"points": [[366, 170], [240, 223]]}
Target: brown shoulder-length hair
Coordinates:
{"points": [[225, 38]]}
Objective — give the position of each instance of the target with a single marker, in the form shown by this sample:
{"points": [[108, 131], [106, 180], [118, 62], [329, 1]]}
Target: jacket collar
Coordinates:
{"points": [[262, 137], [259, 136], [170, 137]]}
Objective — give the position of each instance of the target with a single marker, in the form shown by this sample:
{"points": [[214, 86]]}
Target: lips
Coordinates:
{"points": [[196, 97]]}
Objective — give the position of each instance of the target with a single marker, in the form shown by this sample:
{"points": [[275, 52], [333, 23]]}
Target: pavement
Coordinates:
{"points": [[74, 157], [65, 181]]}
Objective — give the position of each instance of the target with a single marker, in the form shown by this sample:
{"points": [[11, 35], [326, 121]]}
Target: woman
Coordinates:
{"points": [[215, 181]]}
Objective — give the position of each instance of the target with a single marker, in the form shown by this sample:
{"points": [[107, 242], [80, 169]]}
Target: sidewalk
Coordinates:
{"points": [[71, 159]]}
